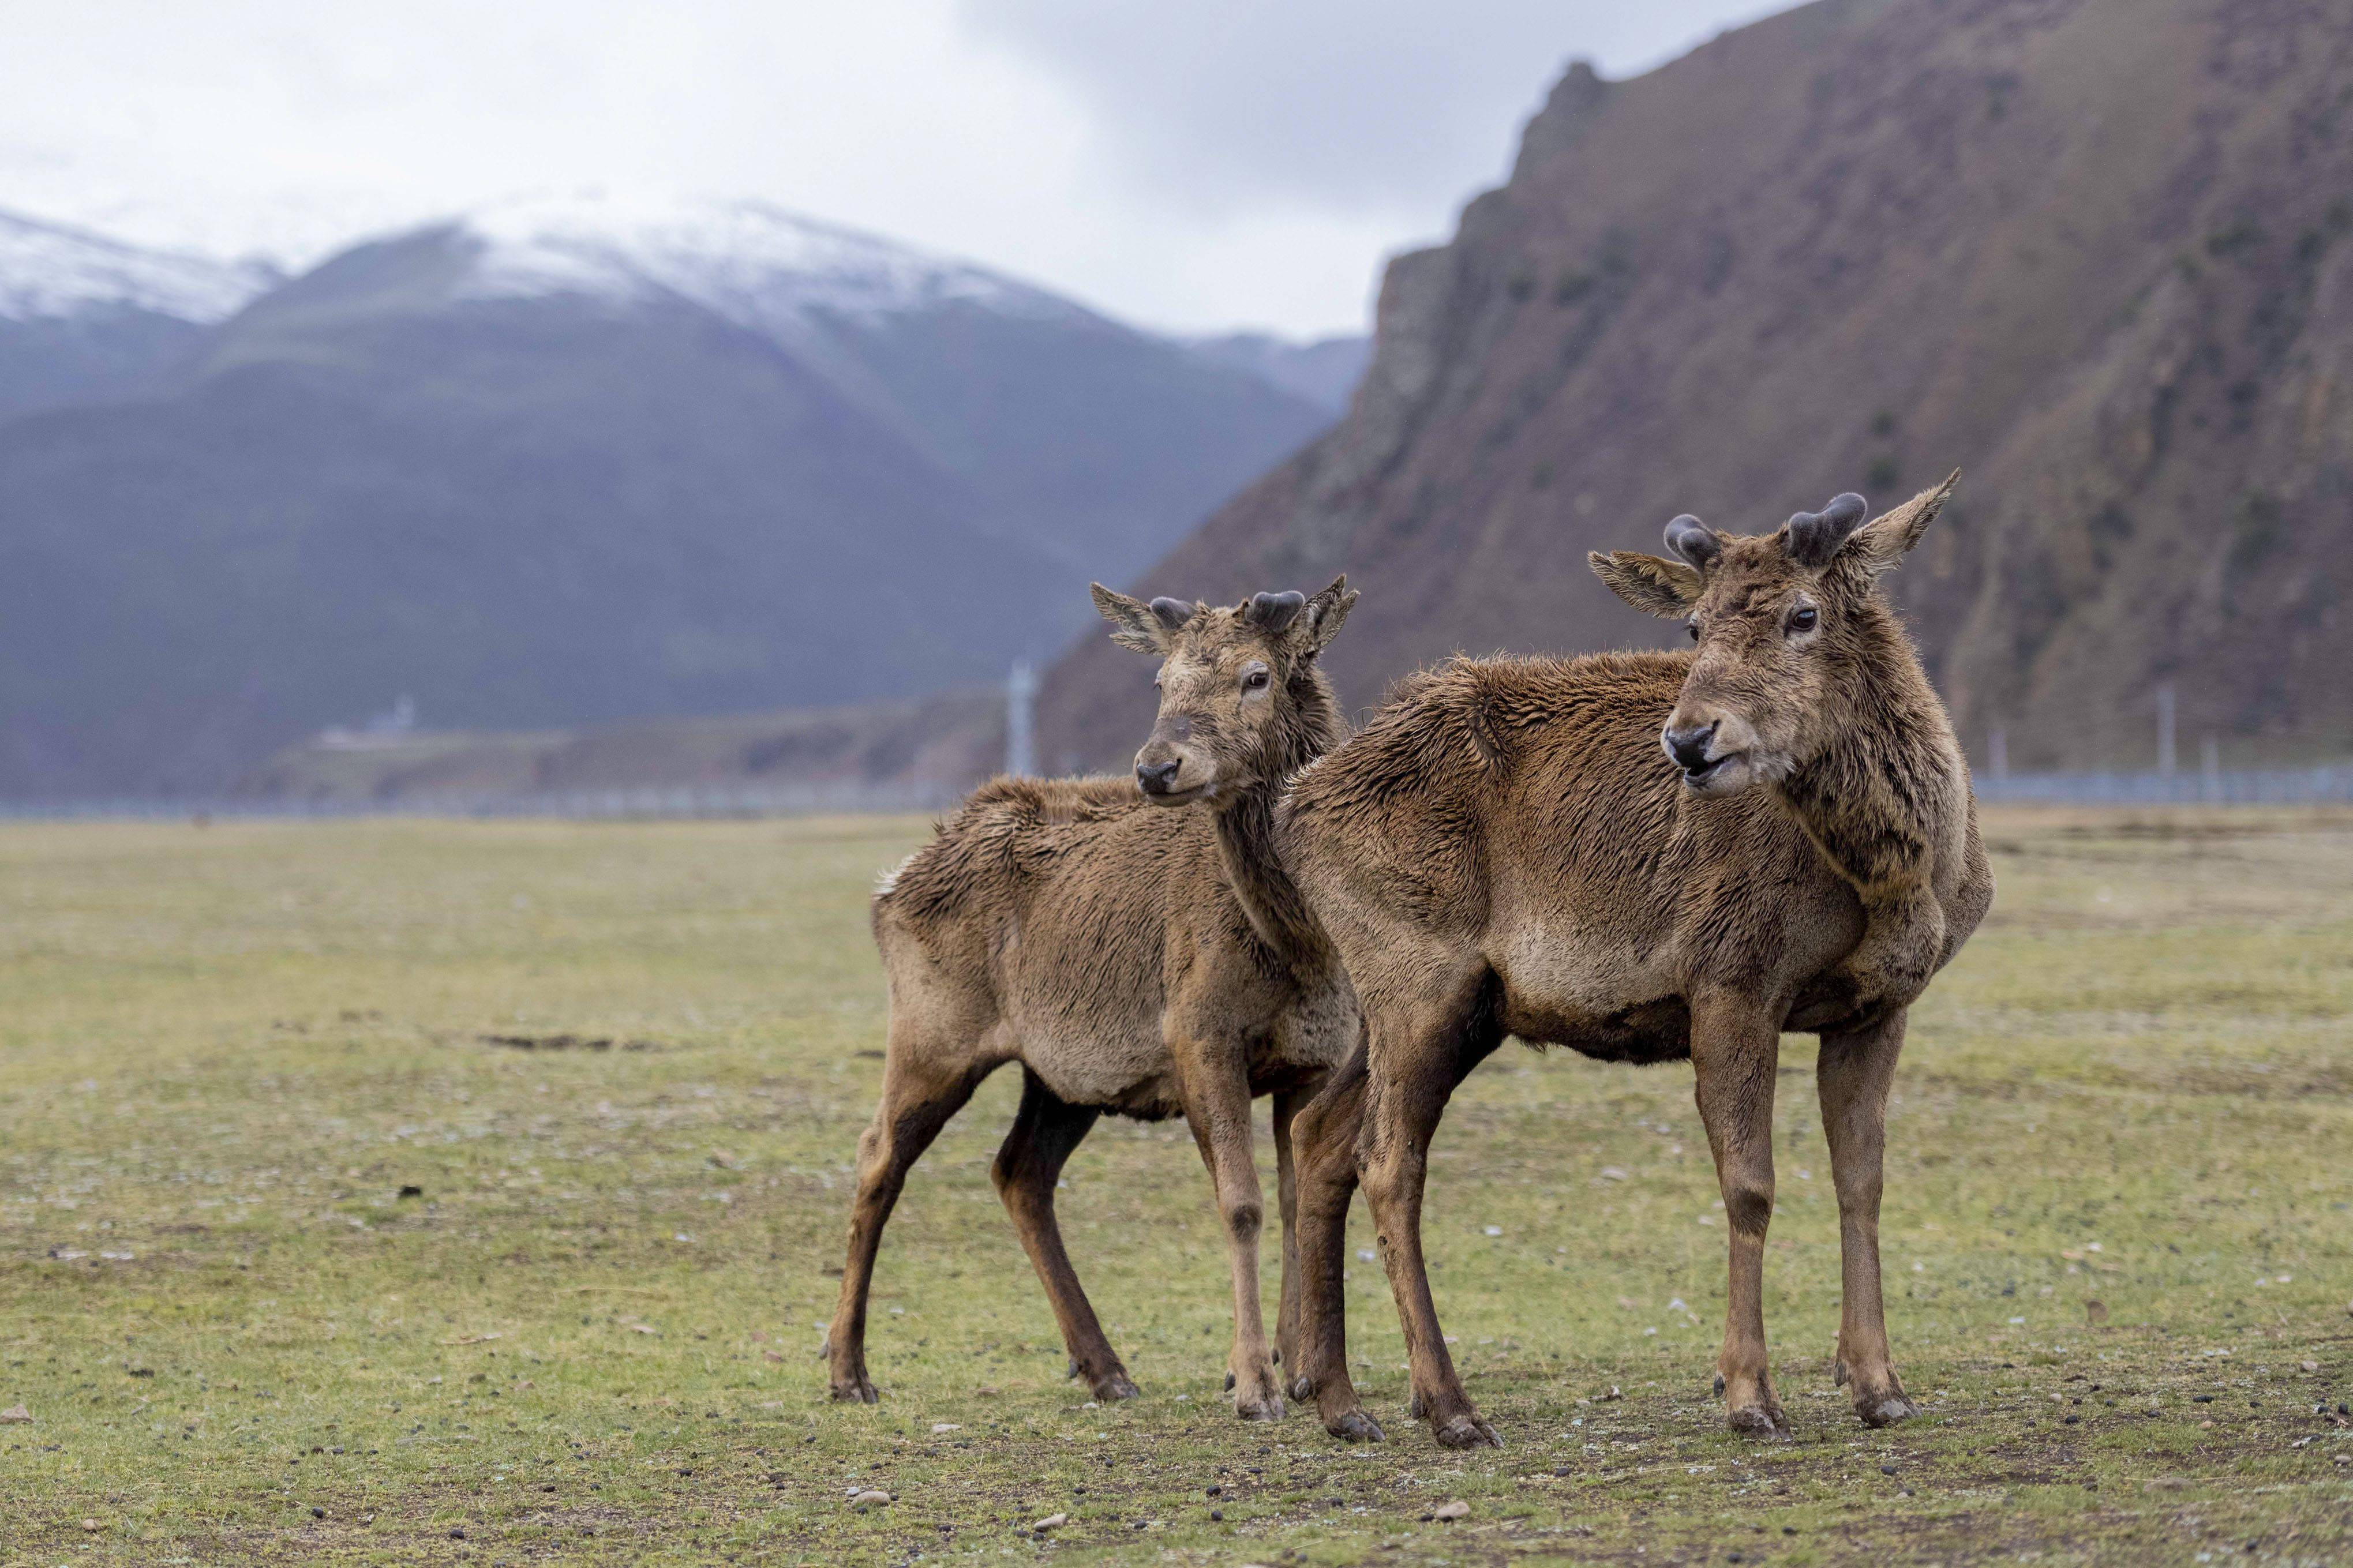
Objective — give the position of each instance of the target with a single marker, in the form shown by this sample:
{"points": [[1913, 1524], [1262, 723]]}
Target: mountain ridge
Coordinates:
{"points": [[572, 483]]}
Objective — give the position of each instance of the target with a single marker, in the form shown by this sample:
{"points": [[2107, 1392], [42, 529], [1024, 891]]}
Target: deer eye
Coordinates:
{"points": [[1803, 617], [1255, 678], [1692, 625]]}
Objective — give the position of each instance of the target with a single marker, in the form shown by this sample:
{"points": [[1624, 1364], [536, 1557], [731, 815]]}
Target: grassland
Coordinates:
{"points": [[2119, 1247]]}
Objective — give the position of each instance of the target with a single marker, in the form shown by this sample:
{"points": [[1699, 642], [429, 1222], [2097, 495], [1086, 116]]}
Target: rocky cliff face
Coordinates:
{"points": [[2096, 253]]}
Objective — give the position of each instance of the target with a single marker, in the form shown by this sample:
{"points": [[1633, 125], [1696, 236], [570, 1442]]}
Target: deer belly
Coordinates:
{"points": [[1122, 1069], [1658, 1030], [1595, 997]]}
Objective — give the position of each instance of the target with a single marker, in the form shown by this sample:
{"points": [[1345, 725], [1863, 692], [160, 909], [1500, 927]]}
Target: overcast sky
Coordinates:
{"points": [[1185, 163]]}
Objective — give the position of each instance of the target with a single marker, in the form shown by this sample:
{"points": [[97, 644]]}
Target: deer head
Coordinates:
{"points": [[1241, 702], [1789, 627]]}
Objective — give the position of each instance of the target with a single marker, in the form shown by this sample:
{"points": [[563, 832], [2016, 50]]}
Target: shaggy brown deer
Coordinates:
{"points": [[1504, 851], [1134, 959]]}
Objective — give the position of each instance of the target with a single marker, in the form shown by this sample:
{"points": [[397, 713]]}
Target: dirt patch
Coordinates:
{"points": [[566, 1043]]}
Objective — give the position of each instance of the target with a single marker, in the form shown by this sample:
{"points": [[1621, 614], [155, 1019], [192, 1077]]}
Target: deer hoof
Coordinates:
{"points": [[1414, 1406], [1229, 1382], [857, 1390], [1838, 1375], [1302, 1387], [1468, 1431], [1886, 1411], [1760, 1421], [1356, 1427], [1116, 1387], [1267, 1409]]}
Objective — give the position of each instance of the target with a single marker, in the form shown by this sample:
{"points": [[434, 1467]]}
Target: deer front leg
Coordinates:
{"points": [[1326, 1133], [1854, 1074], [1286, 1198], [1425, 1053], [1735, 1050], [1903, 943], [1218, 1107]]}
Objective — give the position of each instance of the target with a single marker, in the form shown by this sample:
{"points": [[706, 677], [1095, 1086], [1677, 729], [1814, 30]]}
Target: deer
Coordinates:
{"points": [[1644, 856], [1134, 958]]}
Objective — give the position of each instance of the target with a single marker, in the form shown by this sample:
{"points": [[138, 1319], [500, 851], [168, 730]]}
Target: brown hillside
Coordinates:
{"points": [[2098, 253]]}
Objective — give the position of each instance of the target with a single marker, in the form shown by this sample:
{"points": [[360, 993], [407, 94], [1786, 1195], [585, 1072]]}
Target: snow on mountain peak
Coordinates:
{"points": [[48, 271], [757, 265]]}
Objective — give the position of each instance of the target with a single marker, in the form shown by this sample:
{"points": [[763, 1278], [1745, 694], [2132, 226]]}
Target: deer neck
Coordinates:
{"points": [[1879, 800], [1270, 899], [1246, 830]]}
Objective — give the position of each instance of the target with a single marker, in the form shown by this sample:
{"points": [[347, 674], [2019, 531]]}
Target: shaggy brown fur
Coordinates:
{"points": [[1504, 851], [1134, 959]]}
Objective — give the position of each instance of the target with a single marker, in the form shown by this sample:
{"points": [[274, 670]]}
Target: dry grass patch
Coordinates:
{"points": [[289, 1223]]}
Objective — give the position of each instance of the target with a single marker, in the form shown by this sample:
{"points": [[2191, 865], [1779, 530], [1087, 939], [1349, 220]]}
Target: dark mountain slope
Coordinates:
{"points": [[507, 510], [550, 468], [84, 318], [1086, 440], [2099, 253], [1325, 372]]}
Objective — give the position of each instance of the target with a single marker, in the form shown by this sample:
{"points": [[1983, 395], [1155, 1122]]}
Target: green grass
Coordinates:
{"points": [[592, 1336]]}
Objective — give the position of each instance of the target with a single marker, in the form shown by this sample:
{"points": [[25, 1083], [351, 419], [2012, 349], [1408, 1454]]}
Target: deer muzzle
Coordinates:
{"points": [[1169, 774], [1714, 750]]}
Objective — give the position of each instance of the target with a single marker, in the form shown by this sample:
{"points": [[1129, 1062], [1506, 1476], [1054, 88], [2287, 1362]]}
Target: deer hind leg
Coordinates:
{"points": [[919, 1095], [1325, 1138], [1406, 1094], [1027, 1167], [1218, 1107], [1736, 1050], [1287, 1103], [1854, 1073]]}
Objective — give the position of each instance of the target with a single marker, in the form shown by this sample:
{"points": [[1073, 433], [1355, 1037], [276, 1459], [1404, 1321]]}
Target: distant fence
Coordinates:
{"points": [[2240, 786], [2332, 782], [601, 804]]}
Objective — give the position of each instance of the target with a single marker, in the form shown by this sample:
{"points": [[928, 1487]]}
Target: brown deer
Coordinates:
{"points": [[1134, 959], [1502, 850]]}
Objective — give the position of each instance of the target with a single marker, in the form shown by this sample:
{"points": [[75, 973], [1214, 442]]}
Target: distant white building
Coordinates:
{"points": [[389, 727]]}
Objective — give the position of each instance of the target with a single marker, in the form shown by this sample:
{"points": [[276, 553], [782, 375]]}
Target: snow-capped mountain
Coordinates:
{"points": [[84, 318], [753, 263], [567, 463], [48, 272]]}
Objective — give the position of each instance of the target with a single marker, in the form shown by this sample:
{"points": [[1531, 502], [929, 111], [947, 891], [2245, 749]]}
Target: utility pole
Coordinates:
{"points": [[1020, 732], [2164, 729]]}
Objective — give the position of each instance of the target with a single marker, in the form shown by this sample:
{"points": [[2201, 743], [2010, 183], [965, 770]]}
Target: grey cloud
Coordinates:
{"points": [[1338, 105]]}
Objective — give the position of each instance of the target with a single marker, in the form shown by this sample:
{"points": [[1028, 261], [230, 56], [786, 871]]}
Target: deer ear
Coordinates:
{"points": [[1664, 588], [1889, 537], [1132, 623], [1324, 617]]}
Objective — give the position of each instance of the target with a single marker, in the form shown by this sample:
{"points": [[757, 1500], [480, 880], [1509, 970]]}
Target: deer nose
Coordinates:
{"points": [[1157, 778], [1689, 745]]}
